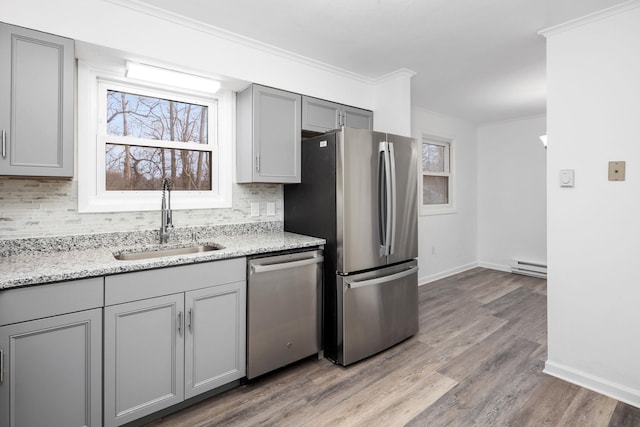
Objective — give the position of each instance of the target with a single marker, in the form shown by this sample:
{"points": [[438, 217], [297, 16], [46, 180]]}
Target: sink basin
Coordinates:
{"points": [[162, 252]]}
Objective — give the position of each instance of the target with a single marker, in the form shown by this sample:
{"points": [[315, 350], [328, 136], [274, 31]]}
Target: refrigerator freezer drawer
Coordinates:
{"points": [[379, 309]]}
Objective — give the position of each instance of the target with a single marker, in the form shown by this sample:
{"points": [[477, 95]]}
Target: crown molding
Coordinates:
{"points": [[156, 12], [592, 17], [402, 72]]}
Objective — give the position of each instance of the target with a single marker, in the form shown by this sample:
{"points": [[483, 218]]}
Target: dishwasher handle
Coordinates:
{"points": [[263, 268]]}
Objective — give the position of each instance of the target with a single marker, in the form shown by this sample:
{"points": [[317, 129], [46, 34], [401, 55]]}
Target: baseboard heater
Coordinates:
{"points": [[529, 268]]}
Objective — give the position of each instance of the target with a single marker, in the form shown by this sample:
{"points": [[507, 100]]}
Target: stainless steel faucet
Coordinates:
{"points": [[167, 225]]}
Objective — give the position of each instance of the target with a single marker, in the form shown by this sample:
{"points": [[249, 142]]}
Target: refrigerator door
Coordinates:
{"points": [[379, 309], [404, 230], [358, 203]]}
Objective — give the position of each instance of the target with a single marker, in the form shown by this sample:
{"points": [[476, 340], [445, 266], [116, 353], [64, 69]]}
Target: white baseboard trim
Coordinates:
{"points": [[492, 266], [599, 385], [432, 278]]}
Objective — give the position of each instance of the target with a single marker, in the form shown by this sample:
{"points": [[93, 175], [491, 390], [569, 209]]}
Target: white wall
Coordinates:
{"points": [[512, 199], [448, 242], [393, 113], [593, 231]]}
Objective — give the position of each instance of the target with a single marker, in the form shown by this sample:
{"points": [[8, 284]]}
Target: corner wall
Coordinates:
{"points": [[447, 243], [593, 237], [512, 196]]}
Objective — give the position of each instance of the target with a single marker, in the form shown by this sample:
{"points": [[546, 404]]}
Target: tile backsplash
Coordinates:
{"points": [[47, 207]]}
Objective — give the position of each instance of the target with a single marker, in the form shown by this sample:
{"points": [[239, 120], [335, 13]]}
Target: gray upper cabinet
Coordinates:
{"points": [[268, 135], [36, 103], [319, 115]]}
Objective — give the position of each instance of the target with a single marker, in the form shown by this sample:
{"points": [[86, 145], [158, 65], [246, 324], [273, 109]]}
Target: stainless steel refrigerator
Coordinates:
{"points": [[359, 192]]}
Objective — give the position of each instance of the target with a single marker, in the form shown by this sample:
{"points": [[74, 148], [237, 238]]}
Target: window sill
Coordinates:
{"points": [[437, 210]]}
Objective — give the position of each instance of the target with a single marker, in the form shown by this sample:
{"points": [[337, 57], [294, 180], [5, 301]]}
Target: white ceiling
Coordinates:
{"points": [[481, 60]]}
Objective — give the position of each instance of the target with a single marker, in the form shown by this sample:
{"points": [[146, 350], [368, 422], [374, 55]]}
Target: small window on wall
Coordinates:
{"points": [[436, 176]]}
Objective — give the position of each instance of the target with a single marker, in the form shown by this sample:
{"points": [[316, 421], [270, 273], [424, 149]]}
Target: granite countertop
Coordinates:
{"points": [[24, 268]]}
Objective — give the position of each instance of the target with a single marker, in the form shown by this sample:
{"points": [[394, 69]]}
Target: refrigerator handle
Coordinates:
{"points": [[392, 198], [354, 284], [386, 207], [381, 201]]}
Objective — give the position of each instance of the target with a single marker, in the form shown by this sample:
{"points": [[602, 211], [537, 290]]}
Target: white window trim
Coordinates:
{"points": [[441, 209], [91, 176]]}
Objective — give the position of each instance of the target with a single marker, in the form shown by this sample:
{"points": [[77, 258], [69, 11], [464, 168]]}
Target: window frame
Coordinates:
{"points": [[93, 84], [449, 173]]}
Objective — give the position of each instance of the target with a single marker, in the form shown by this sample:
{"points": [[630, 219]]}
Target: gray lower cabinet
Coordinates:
{"points": [[143, 358], [51, 354], [215, 337], [162, 350], [51, 371], [36, 103], [268, 135], [319, 115]]}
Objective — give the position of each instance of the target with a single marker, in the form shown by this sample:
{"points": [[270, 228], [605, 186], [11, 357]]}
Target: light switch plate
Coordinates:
{"points": [[616, 171], [566, 178]]}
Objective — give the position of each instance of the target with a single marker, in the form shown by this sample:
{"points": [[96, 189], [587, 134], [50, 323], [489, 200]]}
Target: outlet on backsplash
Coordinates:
{"points": [[271, 208], [255, 209]]}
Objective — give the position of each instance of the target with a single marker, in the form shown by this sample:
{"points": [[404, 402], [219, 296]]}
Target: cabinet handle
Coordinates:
{"points": [[180, 323], [4, 144], [258, 162], [190, 319], [1, 366]]}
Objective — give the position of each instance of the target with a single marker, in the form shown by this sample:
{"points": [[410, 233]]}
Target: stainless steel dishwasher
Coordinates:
{"points": [[284, 306]]}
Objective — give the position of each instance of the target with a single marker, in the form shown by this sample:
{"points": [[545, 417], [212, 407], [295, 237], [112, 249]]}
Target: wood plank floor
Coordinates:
{"points": [[477, 361]]}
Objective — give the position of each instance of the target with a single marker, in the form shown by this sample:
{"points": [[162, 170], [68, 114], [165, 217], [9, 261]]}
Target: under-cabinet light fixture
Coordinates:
{"points": [[543, 138], [169, 77]]}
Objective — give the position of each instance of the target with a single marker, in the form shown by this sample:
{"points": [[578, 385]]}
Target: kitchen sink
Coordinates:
{"points": [[162, 252]]}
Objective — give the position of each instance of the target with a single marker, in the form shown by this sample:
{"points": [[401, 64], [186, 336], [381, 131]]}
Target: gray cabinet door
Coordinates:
{"points": [[143, 358], [36, 103], [215, 337], [357, 118], [268, 135], [52, 371], [319, 115]]}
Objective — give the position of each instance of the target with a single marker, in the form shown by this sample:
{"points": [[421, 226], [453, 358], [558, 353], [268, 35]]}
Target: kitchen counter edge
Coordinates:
{"points": [[42, 268]]}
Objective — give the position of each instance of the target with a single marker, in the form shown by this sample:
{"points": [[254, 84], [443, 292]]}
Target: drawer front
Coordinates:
{"points": [[36, 302], [165, 281]]}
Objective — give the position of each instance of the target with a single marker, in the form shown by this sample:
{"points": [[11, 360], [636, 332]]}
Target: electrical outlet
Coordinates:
{"points": [[616, 171], [271, 208], [255, 209]]}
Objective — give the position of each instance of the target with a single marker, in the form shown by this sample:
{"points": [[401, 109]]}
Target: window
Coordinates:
{"points": [[436, 176], [147, 139], [133, 134]]}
